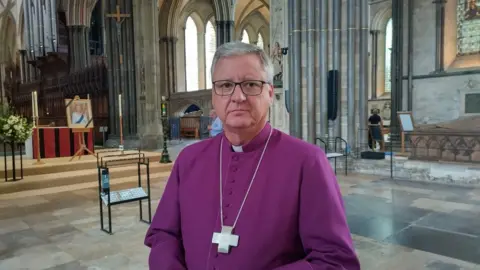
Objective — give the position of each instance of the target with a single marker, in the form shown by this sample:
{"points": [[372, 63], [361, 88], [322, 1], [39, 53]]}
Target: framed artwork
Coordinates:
{"points": [[383, 106], [406, 121], [79, 113]]}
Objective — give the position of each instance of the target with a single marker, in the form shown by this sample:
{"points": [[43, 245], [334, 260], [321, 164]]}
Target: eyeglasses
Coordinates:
{"points": [[249, 88]]}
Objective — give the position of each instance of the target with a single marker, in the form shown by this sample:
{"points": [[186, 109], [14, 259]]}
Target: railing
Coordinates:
{"points": [[445, 147]]}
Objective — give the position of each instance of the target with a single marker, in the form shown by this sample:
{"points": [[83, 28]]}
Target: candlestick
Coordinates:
{"points": [[88, 96], [120, 105]]}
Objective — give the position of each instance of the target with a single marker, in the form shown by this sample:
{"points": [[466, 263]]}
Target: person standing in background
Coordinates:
{"points": [[217, 126]]}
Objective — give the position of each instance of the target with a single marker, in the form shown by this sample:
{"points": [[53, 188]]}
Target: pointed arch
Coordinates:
{"points": [[260, 41], [245, 36]]}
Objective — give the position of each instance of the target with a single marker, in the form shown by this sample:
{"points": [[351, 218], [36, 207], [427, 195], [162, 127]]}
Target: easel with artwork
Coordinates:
{"points": [[407, 126], [80, 121]]}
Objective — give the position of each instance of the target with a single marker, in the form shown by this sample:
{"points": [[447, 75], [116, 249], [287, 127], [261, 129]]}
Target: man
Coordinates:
{"points": [[253, 197], [217, 126]]}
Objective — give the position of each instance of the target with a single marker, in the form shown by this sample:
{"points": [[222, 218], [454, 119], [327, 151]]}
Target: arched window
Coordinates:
{"points": [[260, 41], [191, 55], [388, 56], [245, 37], [210, 47]]}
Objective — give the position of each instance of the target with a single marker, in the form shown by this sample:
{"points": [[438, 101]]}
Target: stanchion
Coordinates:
{"points": [[165, 155]]}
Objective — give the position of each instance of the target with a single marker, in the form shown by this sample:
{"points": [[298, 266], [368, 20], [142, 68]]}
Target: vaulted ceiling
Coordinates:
{"points": [[245, 7]]}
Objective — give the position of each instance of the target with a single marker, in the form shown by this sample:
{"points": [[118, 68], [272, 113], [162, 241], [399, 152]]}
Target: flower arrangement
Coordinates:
{"points": [[14, 128]]}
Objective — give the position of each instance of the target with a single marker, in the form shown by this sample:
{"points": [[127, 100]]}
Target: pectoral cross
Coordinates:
{"points": [[119, 17], [225, 239]]}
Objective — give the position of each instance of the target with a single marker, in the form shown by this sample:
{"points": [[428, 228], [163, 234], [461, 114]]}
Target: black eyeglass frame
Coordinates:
{"points": [[239, 84]]}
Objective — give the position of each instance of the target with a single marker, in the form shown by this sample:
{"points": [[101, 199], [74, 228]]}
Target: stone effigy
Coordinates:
{"points": [[457, 140]]}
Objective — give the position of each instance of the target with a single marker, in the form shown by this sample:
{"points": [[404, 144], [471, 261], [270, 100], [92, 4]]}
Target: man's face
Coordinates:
{"points": [[238, 110]]}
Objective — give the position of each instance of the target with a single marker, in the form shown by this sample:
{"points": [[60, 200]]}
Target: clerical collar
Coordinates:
{"points": [[237, 149], [257, 143]]}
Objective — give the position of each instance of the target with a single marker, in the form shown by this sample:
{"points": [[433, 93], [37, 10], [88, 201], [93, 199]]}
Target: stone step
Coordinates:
{"points": [[90, 175], [63, 164], [118, 184]]}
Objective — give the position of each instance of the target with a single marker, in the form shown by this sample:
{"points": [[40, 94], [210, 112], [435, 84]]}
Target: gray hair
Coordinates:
{"points": [[238, 48]]}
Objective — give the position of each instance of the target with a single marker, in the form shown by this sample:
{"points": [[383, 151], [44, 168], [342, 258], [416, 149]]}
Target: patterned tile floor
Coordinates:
{"points": [[395, 225]]}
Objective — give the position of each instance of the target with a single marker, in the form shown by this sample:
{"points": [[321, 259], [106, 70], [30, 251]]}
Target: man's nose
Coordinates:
{"points": [[238, 95]]}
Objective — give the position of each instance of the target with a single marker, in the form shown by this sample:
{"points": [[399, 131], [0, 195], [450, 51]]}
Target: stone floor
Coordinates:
{"points": [[395, 226]]}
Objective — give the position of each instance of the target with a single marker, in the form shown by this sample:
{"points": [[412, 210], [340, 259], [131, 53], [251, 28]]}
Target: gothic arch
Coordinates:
{"points": [[380, 19], [253, 23], [379, 23], [179, 108], [265, 32]]}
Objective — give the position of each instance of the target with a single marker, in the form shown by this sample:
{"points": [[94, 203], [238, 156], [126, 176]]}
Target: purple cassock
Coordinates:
{"points": [[292, 218]]}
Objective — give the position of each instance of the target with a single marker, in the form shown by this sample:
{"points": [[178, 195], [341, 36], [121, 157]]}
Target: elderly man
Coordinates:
{"points": [[253, 197], [217, 126]]}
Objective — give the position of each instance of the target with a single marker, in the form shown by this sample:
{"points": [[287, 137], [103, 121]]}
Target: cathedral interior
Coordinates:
{"points": [[414, 62]]}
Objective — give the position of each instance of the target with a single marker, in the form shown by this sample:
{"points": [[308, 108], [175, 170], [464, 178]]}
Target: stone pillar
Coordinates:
{"points": [[322, 55], [169, 50], [79, 52], [121, 73], [374, 54], [397, 66], [336, 12], [363, 76], [201, 60], [439, 34], [224, 32], [351, 74], [297, 69], [310, 73], [149, 63], [291, 83]]}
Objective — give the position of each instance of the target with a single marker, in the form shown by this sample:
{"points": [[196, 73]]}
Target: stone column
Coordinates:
{"points": [[363, 76], [351, 74], [336, 12], [374, 69], [121, 73], [201, 60], [148, 61], [291, 83], [169, 47], [439, 33], [410, 55], [322, 55], [310, 73], [79, 52], [297, 70], [224, 32], [397, 66]]}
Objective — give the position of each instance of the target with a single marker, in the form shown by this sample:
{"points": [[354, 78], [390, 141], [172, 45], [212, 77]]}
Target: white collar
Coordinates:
{"points": [[237, 149]]}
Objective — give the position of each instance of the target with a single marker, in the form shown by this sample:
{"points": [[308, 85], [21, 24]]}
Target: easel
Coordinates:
{"points": [[81, 142], [80, 133]]}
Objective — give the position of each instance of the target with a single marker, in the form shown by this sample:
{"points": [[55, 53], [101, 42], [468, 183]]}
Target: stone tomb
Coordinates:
{"points": [[453, 141]]}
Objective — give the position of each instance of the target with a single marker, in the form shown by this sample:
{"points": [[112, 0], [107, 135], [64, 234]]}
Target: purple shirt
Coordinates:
{"points": [[293, 217]]}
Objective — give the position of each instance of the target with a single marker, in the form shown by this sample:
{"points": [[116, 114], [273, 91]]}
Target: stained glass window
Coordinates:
{"points": [[468, 27], [191, 55]]}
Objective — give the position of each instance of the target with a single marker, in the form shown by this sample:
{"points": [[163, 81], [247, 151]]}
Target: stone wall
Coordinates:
{"points": [[419, 171]]}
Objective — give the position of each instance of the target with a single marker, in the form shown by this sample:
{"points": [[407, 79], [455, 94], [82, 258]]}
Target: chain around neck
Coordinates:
{"points": [[249, 186]]}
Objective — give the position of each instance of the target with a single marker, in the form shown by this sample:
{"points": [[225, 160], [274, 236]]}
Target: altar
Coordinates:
{"points": [[59, 142]]}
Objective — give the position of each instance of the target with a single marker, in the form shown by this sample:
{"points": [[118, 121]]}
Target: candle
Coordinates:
{"points": [[120, 105], [35, 105], [88, 96]]}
